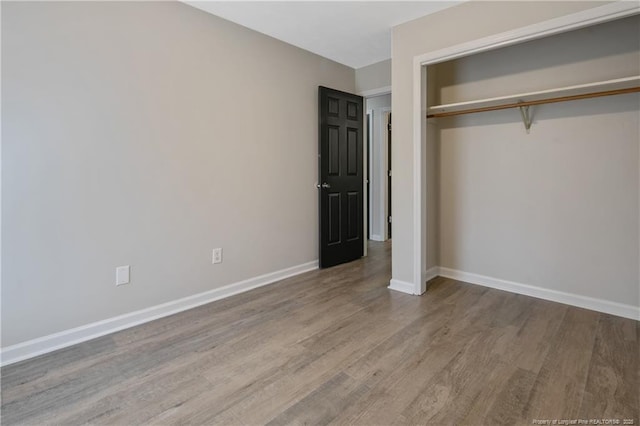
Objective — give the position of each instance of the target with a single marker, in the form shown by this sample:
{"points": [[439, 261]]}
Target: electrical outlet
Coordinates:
{"points": [[122, 275], [217, 255]]}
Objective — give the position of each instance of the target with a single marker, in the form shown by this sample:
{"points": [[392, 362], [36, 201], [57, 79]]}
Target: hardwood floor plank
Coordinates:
{"points": [[613, 372], [450, 394], [504, 399], [559, 387], [529, 344], [138, 403], [21, 379], [321, 363], [392, 392], [322, 405]]}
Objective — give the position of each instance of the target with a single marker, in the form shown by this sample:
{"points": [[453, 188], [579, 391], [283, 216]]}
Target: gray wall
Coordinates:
{"points": [[374, 76], [147, 134]]}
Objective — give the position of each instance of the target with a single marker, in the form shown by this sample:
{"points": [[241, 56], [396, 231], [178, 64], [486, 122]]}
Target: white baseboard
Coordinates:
{"points": [[431, 273], [52, 342], [401, 286], [613, 308], [409, 288], [376, 237]]}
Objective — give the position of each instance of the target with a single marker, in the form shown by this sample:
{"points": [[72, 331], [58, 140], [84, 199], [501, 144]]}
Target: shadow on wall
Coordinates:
{"points": [[604, 42]]}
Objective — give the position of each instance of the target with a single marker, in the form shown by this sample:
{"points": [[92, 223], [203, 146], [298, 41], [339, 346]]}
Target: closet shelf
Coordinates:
{"points": [[524, 100]]}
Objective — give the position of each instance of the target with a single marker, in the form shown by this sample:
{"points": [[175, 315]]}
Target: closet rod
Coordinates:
{"points": [[537, 102]]}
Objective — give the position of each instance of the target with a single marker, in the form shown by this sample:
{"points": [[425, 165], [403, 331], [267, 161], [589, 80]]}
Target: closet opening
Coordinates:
{"points": [[498, 205]]}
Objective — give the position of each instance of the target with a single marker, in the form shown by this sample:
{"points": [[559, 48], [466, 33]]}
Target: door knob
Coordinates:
{"points": [[324, 185]]}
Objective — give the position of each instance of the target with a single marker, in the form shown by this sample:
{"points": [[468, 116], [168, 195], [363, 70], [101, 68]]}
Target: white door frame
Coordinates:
{"points": [[365, 158], [377, 169], [369, 119], [378, 174], [384, 172], [596, 15]]}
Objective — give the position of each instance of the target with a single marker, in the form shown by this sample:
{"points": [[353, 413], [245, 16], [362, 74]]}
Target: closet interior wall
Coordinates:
{"points": [[557, 207]]}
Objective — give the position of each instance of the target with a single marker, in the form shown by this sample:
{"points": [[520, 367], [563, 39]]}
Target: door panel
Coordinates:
{"points": [[334, 218], [353, 231], [334, 151], [352, 152], [340, 177]]}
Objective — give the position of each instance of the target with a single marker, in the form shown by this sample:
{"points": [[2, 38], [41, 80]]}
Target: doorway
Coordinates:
{"points": [[379, 176]]}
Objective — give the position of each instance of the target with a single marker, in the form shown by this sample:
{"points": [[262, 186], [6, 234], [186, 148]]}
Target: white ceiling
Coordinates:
{"points": [[354, 33]]}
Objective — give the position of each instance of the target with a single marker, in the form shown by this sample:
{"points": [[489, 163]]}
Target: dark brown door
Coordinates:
{"points": [[340, 177]]}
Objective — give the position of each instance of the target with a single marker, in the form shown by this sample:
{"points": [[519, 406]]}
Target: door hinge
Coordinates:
{"points": [[389, 219], [389, 173], [389, 126]]}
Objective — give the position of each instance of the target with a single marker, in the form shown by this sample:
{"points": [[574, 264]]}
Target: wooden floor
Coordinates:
{"points": [[336, 346]]}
